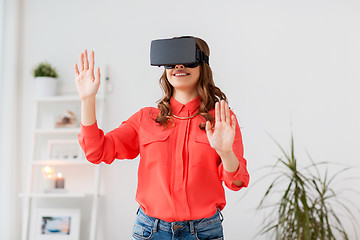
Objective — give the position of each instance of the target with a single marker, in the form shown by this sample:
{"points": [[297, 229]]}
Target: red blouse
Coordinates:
{"points": [[180, 176]]}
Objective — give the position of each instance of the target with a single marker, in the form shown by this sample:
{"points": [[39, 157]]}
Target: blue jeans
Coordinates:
{"points": [[147, 227]]}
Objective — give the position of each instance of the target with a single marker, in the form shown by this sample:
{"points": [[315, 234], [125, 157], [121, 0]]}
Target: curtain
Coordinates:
{"points": [[10, 202]]}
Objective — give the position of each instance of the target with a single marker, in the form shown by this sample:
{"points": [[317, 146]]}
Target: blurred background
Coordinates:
{"points": [[286, 67]]}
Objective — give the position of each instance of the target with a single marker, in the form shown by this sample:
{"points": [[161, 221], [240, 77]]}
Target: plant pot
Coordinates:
{"points": [[45, 86]]}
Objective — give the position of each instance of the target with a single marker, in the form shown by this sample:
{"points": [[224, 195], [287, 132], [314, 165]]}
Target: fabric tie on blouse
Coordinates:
{"points": [[181, 156]]}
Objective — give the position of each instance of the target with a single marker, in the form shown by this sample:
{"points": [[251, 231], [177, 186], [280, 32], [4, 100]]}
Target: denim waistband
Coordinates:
{"points": [[171, 226]]}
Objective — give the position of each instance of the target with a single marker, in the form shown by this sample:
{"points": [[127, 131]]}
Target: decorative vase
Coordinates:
{"points": [[45, 86]]}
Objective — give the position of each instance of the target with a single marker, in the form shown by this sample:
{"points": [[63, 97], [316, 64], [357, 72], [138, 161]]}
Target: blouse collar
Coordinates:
{"points": [[177, 107]]}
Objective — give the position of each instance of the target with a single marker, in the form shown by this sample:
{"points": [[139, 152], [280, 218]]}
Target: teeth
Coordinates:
{"points": [[181, 74]]}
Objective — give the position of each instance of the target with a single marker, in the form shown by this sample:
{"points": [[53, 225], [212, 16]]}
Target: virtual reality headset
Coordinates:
{"points": [[176, 51]]}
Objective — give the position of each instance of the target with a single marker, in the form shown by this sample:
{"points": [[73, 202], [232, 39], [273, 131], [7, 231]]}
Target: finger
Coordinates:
{"points": [[222, 111], [92, 61], [97, 76], [227, 113], [217, 114], [81, 60], [76, 70], [86, 61]]}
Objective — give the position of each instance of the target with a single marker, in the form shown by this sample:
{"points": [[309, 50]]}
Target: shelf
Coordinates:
{"points": [[66, 98], [54, 195], [56, 162], [57, 131], [48, 139]]}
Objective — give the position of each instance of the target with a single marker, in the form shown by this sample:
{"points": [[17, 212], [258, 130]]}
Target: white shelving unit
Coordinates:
{"points": [[85, 186]]}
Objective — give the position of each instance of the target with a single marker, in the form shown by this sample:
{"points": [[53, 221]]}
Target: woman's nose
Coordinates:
{"points": [[179, 66]]}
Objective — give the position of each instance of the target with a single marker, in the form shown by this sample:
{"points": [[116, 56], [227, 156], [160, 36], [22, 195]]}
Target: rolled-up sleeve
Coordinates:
{"points": [[241, 174], [120, 143]]}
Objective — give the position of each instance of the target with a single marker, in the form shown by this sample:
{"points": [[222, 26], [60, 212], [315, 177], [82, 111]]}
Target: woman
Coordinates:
{"points": [[189, 145]]}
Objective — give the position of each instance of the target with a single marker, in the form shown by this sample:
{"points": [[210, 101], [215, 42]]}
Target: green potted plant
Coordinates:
{"points": [[45, 79], [301, 203]]}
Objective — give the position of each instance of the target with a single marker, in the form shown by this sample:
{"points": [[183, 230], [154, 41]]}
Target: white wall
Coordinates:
{"points": [[9, 120], [283, 64]]}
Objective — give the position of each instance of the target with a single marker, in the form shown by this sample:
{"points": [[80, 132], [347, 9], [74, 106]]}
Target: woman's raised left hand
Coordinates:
{"points": [[221, 136]]}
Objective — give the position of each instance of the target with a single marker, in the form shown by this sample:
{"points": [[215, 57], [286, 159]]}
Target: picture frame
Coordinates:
{"points": [[59, 149], [56, 224]]}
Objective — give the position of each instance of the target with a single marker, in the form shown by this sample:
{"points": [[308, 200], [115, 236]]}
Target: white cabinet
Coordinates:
{"points": [[58, 148]]}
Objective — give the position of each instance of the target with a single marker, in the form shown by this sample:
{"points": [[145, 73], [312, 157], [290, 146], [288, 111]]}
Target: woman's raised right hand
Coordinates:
{"points": [[86, 83]]}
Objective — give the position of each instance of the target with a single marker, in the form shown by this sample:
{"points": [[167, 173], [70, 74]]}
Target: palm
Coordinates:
{"points": [[86, 83], [222, 136]]}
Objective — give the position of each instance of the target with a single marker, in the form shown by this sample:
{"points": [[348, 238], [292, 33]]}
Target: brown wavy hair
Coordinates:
{"points": [[208, 92]]}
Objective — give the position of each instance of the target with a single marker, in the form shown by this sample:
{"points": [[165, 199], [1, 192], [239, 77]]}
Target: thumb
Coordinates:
{"points": [[233, 122], [97, 75], [208, 128]]}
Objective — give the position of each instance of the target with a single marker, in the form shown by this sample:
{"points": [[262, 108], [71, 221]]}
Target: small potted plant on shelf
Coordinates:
{"points": [[45, 79]]}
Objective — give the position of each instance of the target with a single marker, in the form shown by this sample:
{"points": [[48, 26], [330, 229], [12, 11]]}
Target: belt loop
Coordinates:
{"points": [[137, 212], [192, 229], [156, 225], [221, 216]]}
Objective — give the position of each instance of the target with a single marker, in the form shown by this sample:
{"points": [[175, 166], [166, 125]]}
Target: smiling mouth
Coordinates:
{"points": [[181, 74]]}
